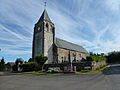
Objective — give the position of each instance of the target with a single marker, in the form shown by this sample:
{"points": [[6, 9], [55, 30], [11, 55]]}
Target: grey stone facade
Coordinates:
{"points": [[57, 50]]}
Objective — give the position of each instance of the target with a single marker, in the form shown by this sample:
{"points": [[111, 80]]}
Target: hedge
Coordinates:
{"points": [[97, 58]]}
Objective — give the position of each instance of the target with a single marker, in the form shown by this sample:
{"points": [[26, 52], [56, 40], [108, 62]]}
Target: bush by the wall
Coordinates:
{"points": [[96, 58], [14, 68], [30, 66], [2, 67]]}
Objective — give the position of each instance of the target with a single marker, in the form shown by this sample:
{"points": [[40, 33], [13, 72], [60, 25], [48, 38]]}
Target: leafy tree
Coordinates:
{"points": [[113, 57], [40, 59], [2, 61], [2, 67], [30, 60], [102, 54], [19, 60], [25, 62], [96, 58], [2, 64], [91, 53], [89, 58]]}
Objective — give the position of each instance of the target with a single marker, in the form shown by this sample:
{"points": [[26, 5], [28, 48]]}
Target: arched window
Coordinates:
{"points": [[80, 55], [47, 26], [53, 30]]}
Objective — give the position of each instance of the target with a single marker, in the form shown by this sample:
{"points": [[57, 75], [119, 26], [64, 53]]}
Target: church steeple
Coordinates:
{"points": [[44, 36], [44, 16]]}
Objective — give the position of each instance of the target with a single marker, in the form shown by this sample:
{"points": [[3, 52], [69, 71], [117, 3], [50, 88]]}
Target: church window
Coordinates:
{"points": [[47, 27], [38, 28], [53, 29], [62, 58], [80, 55]]}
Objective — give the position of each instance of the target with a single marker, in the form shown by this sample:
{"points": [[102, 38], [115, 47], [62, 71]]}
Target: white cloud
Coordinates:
{"points": [[113, 4], [77, 21]]}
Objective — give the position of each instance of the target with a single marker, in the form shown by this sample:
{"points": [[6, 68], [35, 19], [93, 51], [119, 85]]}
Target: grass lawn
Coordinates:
{"points": [[101, 70], [42, 73]]}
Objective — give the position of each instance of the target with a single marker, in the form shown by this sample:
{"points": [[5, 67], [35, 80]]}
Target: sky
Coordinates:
{"points": [[93, 24]]}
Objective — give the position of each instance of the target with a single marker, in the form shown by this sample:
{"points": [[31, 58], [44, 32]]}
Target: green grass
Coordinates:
{"points": [[100, 70], [42, 73]]}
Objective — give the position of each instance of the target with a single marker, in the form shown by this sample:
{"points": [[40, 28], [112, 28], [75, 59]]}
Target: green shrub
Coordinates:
{"points": [[96, 58], [41, 59], [30, 66], [2, 67], [14, 68]]}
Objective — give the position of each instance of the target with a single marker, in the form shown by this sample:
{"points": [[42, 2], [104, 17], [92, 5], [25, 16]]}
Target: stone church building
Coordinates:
{"points": [[57, 50]]}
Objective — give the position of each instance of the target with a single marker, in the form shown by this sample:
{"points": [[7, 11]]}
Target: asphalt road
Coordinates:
{"points": [[110, 80]]}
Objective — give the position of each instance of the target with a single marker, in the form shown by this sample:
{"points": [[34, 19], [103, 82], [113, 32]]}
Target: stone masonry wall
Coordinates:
{"points": [[63, 55], [98, 64]]}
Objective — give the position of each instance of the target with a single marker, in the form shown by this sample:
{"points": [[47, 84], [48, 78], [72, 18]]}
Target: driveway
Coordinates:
{"points": [[110, 80]]}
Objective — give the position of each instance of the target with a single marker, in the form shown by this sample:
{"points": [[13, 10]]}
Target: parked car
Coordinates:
{"points": [[87, 67], [55, 69]]}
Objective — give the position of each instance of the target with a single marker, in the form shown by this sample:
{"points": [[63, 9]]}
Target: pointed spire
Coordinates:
{"points": [[44, 16]]}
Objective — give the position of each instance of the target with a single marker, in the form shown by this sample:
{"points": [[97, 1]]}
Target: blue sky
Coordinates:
{"points": [[93, 24]]}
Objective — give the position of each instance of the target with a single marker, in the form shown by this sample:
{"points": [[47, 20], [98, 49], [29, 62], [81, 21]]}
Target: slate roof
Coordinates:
{"points": [[44, 16], [68, 45]]}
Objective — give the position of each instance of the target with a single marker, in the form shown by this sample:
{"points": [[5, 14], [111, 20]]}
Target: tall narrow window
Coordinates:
{"points": [[80, 55], [47, 27]]}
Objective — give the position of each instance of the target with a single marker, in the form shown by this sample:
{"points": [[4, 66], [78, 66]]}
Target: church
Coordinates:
{"points": [[57, 50]]}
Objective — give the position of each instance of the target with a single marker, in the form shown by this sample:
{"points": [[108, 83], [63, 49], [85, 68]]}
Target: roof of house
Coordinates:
{"points": [[68, 45], [44, 16]]}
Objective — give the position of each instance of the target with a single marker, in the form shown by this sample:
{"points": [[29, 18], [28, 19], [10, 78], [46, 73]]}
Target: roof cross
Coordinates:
{"points": [[45, 5]]}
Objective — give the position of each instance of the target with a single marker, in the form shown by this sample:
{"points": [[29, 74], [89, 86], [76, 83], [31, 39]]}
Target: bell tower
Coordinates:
{"points": [[43, 38]]}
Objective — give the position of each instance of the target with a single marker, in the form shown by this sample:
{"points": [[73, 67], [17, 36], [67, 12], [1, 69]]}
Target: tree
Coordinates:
{"points": [[89, 58], [30, 60], [2, 61], [96, 58], [41, 59], [2, 64], [19, 60], [113, 57], [2, 67], [102, 54], [91, 53]]}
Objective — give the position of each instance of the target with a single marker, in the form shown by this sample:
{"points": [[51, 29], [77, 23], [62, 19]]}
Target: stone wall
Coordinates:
{"points": [[48, 40], [38, 40], [96, 65], [62, 55], [69, 55]]}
